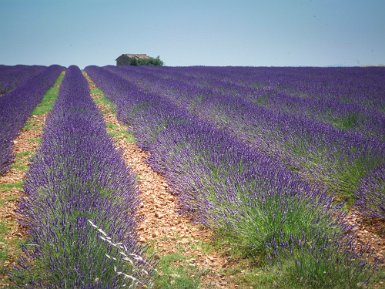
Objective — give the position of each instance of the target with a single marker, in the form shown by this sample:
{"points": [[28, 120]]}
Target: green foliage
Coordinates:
{"points": [[278, 218], [326, 267], [121, 134], [283, 231], [347, 122], [9, 186], [68, 253], [138, 61], [340, 176], [263, 100], [311, 266], [3, 90], [3, 249], [346, 178], [311, 256], [101, 99], [113, 130], [175, 273], [49, 98]]}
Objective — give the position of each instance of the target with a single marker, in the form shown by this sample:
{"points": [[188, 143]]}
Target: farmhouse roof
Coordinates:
{"points": [[137, 56]]}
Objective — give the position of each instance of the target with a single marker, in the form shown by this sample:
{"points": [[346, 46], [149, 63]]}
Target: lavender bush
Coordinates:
{"points": [[81, 203], [13, 76], [328, 109], [371, 193], [251, 199], [15, 108], [333, 158]]}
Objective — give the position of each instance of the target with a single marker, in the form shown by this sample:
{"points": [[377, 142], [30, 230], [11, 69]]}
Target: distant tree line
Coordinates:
{"points": [[142, 61]]}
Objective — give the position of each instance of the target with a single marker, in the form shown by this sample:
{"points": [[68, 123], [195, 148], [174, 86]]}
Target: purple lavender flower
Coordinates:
{"points": [[78, 177], [17, 105]]}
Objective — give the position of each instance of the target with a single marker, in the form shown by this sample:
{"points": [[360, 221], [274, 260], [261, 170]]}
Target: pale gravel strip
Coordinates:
{"points": [[10, 198], [365, 233], [26, 142], [25, 146], [162, 226]]}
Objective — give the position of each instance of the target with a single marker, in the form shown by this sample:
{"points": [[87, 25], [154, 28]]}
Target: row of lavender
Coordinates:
{"points": [[349, 99], [360, 86], [339, 160], [16, 107], [252, 200], [13, 76], [355, 116], [81, 202]]}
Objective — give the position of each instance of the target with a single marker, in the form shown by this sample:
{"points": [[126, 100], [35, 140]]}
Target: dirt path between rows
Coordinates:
{"points": [[11, 185], [25, 145], [162, 226], [368, 234]]}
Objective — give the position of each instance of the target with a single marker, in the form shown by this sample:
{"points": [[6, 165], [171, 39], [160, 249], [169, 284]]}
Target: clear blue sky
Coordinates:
{"points": [[196, 32]]}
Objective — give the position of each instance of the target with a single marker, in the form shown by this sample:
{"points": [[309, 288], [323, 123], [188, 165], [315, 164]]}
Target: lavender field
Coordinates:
{"points": [[325, 126], [272, 161], [17, 105]]}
